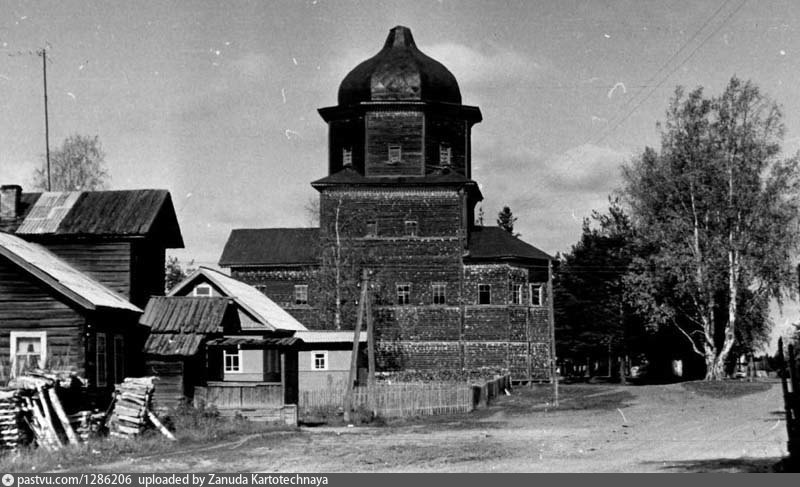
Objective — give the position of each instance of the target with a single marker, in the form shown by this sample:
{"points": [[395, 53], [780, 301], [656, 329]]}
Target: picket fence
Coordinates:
{"points": [[393, 400]]}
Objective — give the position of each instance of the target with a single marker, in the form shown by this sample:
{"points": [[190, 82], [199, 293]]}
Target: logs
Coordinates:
{"points": [[131, 409]]}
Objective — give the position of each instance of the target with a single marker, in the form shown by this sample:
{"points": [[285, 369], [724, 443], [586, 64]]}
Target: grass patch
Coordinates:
{"points": [[191, 426], [726, 389]]}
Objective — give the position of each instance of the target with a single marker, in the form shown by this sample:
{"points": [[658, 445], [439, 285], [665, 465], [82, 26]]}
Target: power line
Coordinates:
{"points": [[672, 58], [707, 38]]}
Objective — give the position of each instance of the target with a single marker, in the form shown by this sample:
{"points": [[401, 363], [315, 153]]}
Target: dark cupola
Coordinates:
{"points": [[399, 115], [399, 71]]}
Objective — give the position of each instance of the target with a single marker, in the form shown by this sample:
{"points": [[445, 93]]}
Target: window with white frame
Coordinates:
{"points": [[202, 290], [411, 227], [101, 359], [319, 360], [301, 294], [347, 156], [537, 294], [395, 153], [119, 358], [28, 350], [516, 293], [484, 294], [439, 293], [232, 361], [403, 293]]}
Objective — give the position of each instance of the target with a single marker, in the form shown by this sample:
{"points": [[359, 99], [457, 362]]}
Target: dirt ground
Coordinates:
{"points": [[597, 428]]}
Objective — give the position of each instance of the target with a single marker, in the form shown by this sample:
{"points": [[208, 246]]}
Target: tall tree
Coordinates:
{"points": [[593, 321], [719, 208], [506, 220], [78, 165]]}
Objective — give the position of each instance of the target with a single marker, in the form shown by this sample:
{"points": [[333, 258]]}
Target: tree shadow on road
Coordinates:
{"points": [[722, 465]]}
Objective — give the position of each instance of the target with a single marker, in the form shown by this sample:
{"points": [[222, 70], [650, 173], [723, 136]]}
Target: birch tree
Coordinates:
{"points": [[718, 207]]}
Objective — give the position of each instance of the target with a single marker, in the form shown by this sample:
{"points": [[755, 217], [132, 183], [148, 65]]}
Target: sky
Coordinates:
{"points": [[216, 100]]}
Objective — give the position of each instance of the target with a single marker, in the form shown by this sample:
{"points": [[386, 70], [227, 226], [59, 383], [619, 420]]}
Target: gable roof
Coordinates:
{"points": [[494, 243], [60, 276], [271, 246], [256, 303], [127, 213], [179, 325]]}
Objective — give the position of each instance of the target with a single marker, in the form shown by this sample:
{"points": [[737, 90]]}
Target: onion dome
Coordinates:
{"points": [[399, 72]]}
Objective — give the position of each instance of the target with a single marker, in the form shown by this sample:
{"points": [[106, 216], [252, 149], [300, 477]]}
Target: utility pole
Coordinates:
{"points": [[43, 53], [348, 397], [552, 319]]}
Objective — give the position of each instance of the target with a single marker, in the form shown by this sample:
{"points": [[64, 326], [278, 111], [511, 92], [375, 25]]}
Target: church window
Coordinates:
{"points": [[411, 228], [484, 294], [395, 153], [516, 293], [301, 294], [372, 228], [439, 293], [537, 294], [403, 293], [444, 154]]}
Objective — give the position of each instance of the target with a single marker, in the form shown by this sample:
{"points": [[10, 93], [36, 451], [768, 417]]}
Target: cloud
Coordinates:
{"points": [[550, 193], [490, 67]]}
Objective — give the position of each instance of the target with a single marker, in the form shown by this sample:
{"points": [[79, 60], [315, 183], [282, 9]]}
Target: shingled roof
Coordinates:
{"points": [[271, 246], [127, 213], [494, 243], [179, 325]]}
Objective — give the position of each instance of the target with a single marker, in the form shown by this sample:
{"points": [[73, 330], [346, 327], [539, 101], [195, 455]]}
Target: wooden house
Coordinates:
{"points": [[219, 341], [52, 314], [178, 329], [119, 238], [325, 358]]}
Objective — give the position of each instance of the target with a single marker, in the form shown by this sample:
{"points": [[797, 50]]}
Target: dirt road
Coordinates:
{"points": [[597, 428]]}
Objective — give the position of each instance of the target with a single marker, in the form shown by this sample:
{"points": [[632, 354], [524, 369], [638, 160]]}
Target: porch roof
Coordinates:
{"points": [[255, 343]]}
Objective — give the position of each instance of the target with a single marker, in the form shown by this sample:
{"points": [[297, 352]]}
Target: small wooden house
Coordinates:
{"points": [[324, 355], [52, 314], [119, 238], [179, 328], [211, 350]]}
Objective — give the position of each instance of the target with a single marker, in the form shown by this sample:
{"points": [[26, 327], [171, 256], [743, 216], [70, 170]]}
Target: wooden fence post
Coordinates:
{"points": [[348, 400]]}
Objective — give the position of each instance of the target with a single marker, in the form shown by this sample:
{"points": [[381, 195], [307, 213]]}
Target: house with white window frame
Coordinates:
{"points": [[53, 315]]}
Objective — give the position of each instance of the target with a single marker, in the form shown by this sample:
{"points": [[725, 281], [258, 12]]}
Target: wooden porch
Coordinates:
{"points": [[256, 401]]}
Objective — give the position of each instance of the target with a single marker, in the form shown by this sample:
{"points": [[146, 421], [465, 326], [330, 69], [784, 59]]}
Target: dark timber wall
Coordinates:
{"points": [[27, 305]]}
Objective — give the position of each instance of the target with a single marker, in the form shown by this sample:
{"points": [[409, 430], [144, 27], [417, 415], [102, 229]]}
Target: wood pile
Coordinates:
{"points": [[131, 413], [13, 431], [40, 409]]}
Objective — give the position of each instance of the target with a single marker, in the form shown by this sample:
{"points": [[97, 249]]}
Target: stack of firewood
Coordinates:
{"points": [[12, 418], [131, 409], [43, 412]]}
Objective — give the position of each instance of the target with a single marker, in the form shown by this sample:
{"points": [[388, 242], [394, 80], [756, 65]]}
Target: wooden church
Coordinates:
{"points": [[399, 200]]}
